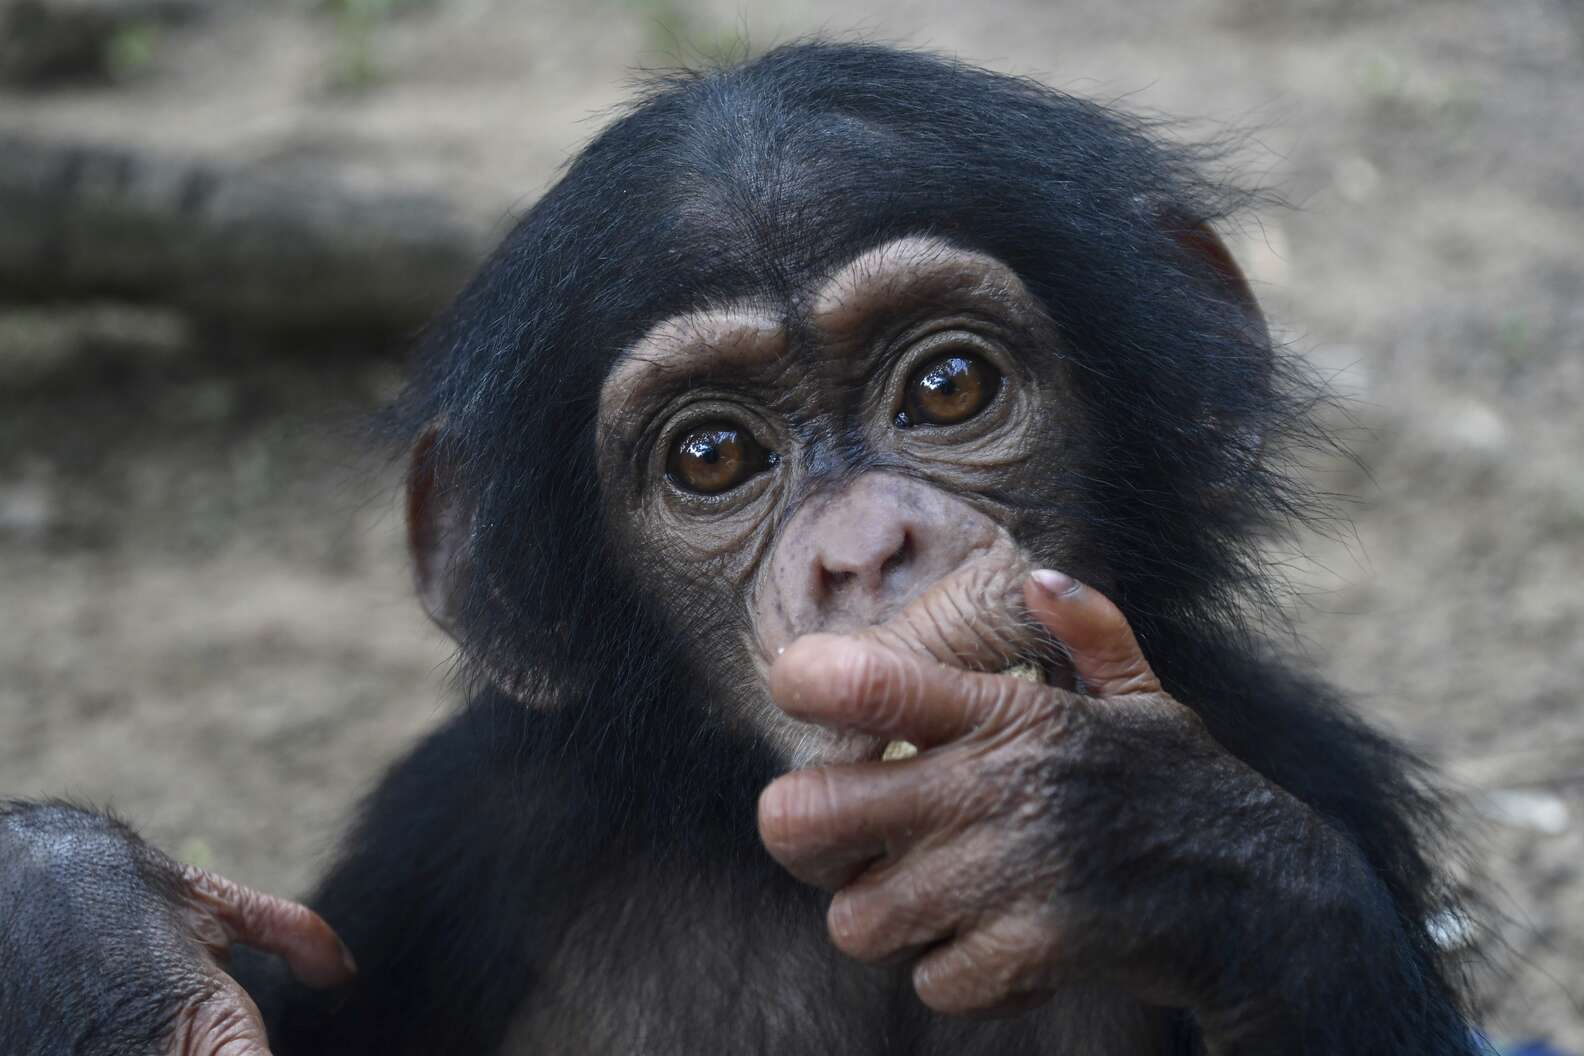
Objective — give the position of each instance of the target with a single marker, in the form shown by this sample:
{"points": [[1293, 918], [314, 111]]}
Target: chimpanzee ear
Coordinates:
{"points": [[1206, 248], [437, 533], [1209, 257]]}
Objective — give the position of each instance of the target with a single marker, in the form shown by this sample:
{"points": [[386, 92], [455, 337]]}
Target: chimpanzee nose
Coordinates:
{"points": [[868, 554], [853, 558]]}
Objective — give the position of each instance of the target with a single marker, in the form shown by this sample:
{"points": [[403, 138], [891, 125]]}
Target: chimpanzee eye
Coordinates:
{"points": [[948, 390], [716, 457]]}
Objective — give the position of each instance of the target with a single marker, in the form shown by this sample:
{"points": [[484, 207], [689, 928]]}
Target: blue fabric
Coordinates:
{"points": [[1532, 1048]]}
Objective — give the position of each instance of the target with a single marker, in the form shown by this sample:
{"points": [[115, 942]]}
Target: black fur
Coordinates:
{"points": [[592, 868], [763, 177]]}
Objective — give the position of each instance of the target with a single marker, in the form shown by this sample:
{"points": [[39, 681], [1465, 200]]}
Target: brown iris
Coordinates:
{"points": [[717, 457], [948, 390]]}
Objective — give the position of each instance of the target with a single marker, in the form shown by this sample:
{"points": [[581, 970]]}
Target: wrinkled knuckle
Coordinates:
{"points": [[1021, 956], [968, 798], [867, 678], [1043, 708], [1067, 715], [1004, 966], [285, 915], [1134, 676], [215, 1022], [255, 911], [207, 889], [265, 917], [849, 673], [1001, 703], [846, 676]]}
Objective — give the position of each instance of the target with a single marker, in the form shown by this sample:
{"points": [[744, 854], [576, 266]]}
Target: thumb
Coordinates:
{"points": [[1097, 637], [289, 930]]}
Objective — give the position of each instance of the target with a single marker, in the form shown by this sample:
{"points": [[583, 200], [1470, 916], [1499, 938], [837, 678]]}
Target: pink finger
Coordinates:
{"points": [[848, 683], [989, 970], [1097, 637], [825, 825], [226, 1023], [289, 930]]}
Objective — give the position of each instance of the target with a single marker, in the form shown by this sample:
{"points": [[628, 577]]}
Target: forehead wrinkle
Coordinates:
{"points": [[736, 339], [900, 270]]}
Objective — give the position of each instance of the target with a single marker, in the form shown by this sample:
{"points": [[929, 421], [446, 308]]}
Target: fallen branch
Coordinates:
{"points": [[281, 250]]}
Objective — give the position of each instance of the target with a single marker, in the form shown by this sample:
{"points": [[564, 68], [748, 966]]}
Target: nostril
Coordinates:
{"points": [[834, 581], [841, 572], [904, 551]]}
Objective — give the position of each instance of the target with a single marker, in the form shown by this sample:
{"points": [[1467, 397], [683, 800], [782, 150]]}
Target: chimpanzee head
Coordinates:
{"points": [[841, 338]]}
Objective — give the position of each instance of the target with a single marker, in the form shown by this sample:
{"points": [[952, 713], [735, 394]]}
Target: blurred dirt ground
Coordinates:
{"points": [[205, 618]]}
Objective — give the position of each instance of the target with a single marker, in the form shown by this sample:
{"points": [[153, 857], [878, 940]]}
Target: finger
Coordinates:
{"points": [[826, 825], [972, 620], [987, 971], [226, 1023], [1097, 637], [289, 930], [896, 910], [847, 683]]}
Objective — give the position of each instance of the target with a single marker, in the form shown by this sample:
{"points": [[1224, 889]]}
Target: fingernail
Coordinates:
{"points": [[1054, 582]]}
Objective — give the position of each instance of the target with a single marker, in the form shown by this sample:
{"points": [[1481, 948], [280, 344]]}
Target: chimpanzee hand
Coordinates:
{"points": [[110, 947], [1045, 838]]}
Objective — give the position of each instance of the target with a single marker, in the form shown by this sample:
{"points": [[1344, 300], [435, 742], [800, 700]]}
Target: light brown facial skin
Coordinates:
{"points": [[861, 526], [868, 582]]}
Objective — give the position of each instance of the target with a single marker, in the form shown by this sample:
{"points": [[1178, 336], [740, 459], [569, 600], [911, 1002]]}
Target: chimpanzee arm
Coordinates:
{"points": [[442, 890], [1272, 883], [91, 958], [109, 947], [1386, 988]]}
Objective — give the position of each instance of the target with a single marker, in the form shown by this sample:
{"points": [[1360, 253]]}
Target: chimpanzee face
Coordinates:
{"points": [[864, 457]]}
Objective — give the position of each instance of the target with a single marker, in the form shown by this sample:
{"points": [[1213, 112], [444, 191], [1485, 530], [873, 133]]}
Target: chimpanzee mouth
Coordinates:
{"points": [[1023, 669]]}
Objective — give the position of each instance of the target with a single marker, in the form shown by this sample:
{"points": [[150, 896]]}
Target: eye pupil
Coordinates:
{"points": [[939, 383], [949, 390], [717, 457]]}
